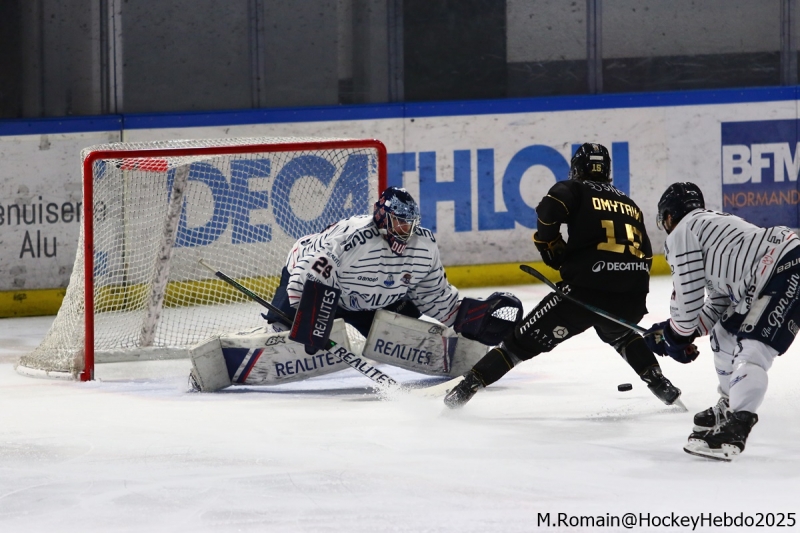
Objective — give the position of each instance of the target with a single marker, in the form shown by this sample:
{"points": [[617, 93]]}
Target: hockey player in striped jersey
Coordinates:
{"points": [[739, 283], [605, 263], [379, 261]]}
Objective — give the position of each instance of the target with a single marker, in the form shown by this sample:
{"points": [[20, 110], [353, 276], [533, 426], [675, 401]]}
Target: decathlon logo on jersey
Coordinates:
{"points": [[759, 168], [614, 266]]}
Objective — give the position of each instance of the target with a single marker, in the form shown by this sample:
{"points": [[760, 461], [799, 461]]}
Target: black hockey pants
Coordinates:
{"points": [[556, 319]]}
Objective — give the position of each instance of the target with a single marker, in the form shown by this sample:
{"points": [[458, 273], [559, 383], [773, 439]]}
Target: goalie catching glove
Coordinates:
{"points": [[663, 341], [552, 251], [488, 321]]}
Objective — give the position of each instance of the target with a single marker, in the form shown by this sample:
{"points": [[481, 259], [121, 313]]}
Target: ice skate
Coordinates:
{"points": [[727, 442], [663, 388], [464, 391], [194, 385], [713, 417]]}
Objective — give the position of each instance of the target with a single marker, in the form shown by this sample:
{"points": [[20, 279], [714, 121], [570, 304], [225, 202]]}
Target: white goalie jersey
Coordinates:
{"points": [[724, 255], [354, 257]]}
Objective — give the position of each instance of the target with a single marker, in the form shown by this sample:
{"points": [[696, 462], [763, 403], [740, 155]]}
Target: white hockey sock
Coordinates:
{"points": [[723, 364], [725, 346], [748, 383], [748, 387]]}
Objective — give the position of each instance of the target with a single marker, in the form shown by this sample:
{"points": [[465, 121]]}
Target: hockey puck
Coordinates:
{"points": [[624, 387]]}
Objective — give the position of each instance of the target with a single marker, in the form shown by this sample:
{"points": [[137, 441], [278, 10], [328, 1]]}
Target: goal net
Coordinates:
{"points": [[152, 211]]}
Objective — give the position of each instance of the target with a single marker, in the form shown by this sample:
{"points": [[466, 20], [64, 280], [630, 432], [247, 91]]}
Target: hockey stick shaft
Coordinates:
{"points": [[355, 362], [247, 292], [538, 275]]}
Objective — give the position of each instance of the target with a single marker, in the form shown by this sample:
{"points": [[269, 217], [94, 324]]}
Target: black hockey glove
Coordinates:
{"points": [[552, 251], [663, 341], [488, 321]]}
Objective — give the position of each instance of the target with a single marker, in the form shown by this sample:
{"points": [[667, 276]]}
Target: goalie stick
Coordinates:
{"points": [[382, 379], [596, 310]]}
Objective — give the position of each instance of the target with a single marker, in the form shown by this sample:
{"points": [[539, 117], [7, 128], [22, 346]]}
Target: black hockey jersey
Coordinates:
{"points": [[608, 247]]}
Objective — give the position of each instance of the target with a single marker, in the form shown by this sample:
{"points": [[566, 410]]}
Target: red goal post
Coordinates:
{"points": [[152, 210]]}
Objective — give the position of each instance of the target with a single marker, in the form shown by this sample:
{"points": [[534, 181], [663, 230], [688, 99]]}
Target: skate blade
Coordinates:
{"points": [[437, 391], [700, 448], [679, 403]]}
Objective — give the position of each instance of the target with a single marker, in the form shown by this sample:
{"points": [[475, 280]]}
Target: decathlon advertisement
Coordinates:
{"points": [[477, 169]]}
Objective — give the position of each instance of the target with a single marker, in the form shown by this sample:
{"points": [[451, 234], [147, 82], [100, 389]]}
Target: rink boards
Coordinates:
{"points": [[478, 169]]}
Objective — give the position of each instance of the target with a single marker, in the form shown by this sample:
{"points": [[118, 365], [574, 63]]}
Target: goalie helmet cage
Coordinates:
{"points": [[153, 210]]}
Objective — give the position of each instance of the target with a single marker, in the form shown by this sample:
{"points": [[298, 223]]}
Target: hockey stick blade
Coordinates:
{"points": [[383, 380], [538, 275], [437, 391]]}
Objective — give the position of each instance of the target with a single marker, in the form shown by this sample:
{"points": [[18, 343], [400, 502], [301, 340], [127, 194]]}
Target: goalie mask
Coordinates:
{"points": [[488, 321], [591, 162], [397, 217]]}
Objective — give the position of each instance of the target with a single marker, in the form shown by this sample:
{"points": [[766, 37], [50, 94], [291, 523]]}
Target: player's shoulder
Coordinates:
{"points": [[692, 223], [578, 188], [336, 233], [596, 188], [709, 216], [360, 231], [425, 235], [560, 188], [349, 226]]}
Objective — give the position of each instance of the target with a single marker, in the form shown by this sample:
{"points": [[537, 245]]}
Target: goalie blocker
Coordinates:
{"points": [[313, 321]]}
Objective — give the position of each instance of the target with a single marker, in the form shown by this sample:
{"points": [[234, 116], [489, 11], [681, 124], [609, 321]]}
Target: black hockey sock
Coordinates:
{"points": [[637, 354], [494, 365]]}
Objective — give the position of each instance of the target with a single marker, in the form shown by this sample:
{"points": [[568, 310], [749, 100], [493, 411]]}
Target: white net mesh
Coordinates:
{"points": [[157, 214]]}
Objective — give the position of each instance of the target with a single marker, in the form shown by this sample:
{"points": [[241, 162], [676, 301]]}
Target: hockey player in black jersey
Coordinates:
{"points": [[605, 263]]}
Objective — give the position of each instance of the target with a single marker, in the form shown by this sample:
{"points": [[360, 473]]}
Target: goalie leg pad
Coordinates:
{"points": [[209, 370], [273, 358], [410, 343], [262, 357], [418, 345], [467, 354]]}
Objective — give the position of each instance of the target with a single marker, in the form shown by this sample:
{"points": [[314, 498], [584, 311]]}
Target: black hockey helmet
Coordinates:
{"points": [[397, 216], [591, 162], [678, 200]]}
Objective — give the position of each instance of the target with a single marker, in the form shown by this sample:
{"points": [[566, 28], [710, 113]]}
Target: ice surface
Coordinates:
{"points": [[134, 451]]}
